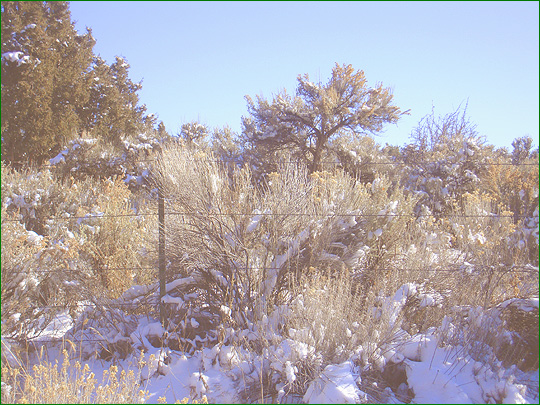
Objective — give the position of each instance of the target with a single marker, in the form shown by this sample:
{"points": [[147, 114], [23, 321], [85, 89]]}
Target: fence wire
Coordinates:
{"points": [[525, 269], [271, 214], [295, 162], [519, 269]]}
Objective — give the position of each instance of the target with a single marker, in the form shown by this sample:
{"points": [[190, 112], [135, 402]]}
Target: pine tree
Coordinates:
{"points": [[307, 123], [44, 64]]}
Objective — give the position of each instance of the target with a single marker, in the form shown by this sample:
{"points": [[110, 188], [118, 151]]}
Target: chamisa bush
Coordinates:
{"points": [[66, 242]]}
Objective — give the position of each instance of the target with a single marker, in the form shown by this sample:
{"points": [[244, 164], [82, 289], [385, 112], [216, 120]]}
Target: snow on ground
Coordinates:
{"points": [[337, 384], [434, 373], [193, 377], [222, 376]]}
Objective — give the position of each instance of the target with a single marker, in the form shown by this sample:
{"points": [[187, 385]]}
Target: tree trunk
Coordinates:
{"points": [[317, 156]]}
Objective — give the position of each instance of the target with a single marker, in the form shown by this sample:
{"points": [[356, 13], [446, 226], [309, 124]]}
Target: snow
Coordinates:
{"points": [[33, 238], [254, 223], [336, 385], [179, 283], [527, 305], [59, 158], [462, 380], [55, 329], [268, 133], [16, 56], [434, 373], [167, 299]]}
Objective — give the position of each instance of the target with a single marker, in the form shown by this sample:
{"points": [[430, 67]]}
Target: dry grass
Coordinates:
{"points": [[74, 383], [69, 383]]}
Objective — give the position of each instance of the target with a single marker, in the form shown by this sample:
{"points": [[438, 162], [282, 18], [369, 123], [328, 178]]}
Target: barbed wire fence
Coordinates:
{"points": [[161, 214]]}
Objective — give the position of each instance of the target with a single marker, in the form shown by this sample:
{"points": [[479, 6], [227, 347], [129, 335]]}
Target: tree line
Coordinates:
{"points": [[55, 89]]}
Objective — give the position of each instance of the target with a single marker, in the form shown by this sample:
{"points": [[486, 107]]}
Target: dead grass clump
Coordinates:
{"points": [[70, 383]]}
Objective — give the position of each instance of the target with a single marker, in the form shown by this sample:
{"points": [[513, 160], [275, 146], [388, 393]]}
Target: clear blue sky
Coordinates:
{"points": [[198, 60]]}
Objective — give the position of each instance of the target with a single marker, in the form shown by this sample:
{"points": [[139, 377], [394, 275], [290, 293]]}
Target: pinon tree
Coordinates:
{"points": [[306, 124], [44, 65]]}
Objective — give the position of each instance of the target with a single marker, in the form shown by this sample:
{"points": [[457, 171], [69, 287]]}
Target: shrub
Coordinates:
{"points": [[116, 245], [252, 248], [56, 253]]}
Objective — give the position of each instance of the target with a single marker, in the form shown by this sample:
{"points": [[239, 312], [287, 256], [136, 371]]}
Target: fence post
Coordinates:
{"points": [[161, 252]]}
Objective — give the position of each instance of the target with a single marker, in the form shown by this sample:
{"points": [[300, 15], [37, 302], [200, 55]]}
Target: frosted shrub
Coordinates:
{"points": [[446, 159], [363, 158], [19, 282], [215, 235], [483, 233], [37, 251], [95, 158]]}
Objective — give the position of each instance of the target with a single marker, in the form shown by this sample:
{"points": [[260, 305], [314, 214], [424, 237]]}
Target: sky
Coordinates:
{"points": [[198, 60]]}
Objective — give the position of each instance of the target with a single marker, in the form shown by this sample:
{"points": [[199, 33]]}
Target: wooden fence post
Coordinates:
{"points": [[161, 251]]}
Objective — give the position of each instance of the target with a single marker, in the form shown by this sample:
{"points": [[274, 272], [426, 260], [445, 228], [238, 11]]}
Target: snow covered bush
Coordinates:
{"points": [[484, 234], [40, 256], [249, 247], [93, 157], [65, 242], [363, 158], [19, 283], [215, 234], [446, 160]]}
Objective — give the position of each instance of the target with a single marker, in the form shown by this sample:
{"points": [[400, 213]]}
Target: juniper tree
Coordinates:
{"points": [[54, 88], [306, 123], [113, 111], [44, 64]]}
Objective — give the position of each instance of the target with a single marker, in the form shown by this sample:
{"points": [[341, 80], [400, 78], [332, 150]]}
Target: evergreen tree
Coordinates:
{"points": [[113, 112], [44, 65], [54, 88], [307, 123]]}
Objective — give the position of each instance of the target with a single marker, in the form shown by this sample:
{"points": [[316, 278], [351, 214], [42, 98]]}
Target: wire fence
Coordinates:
{"points": [[411, 163], [271, 214], [158, 270], [514, 268]]}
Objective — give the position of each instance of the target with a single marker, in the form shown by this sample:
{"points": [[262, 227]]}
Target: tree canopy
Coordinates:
{"points": [[306, 123]]}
